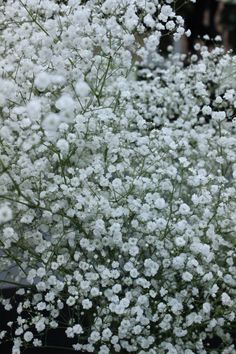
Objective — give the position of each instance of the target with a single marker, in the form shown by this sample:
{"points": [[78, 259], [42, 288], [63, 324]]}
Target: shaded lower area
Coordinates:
{"points": [[6, 349], [58, 343]]}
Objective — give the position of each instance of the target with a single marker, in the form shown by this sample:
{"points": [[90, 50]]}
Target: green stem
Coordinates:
{"points": [[16, 284], [104, 80], [34, 19]]}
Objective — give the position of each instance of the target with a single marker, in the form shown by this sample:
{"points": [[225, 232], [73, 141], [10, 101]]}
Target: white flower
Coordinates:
{"points": [[206, 307], [15, 350], [42, 81], [82, 88], [116, 288], [2, 334], [50, 296], [207, 110], [106, 334], [95, 336], [187, 276], [218, 116], [226, 300], [51, 122], [63, 146], [41, 272], [28, 336], [37, 342], [87, 304], [40, 325], [70, 301], [160, 203], [5, 214], [180, 241], [166, 11], [170, 25], [121, 191], [69, 332], [179, 261], [94, 292], [77, 329], [65, 103], [184, 209], [188, 32], [151, 267], [104, 350], [41, 306]]}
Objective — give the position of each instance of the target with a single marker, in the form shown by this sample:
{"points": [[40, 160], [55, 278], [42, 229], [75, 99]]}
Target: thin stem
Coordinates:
{"points": [[16, 283], [34, 19], [104, 79]]}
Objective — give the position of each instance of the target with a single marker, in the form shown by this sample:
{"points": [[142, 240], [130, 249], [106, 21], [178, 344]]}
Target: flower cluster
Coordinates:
{"points": [[109, 205], [196, 93]]}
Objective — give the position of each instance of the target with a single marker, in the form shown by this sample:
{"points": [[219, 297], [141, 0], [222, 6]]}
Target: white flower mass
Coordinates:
{"points": [[117, 195]]}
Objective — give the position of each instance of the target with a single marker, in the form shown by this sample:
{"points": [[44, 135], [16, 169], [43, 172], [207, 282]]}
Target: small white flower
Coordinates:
{"points": [[40, 326], [106, 334], [77, 329], [82, 88], [186, 276], [69, 332], [41, 272], [188, 32], [5, 214], [207, 110], [206, 307], [180, 241], [160, 203], [87, 304], [95, 336], [226, 300], [170, 26], [42, 81], [63, 146], [51, 122], [218, 116], [28, 336], [41, 306], [184, 209], [37, 342], [65, 104], [70, 301]]}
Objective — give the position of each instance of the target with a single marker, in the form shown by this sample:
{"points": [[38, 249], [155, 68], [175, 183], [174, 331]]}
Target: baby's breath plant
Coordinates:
{"points": [[171, 89], [116, 202]]}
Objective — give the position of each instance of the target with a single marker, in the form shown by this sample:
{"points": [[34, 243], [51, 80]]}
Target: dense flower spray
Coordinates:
{"points": [[116, 201]]}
